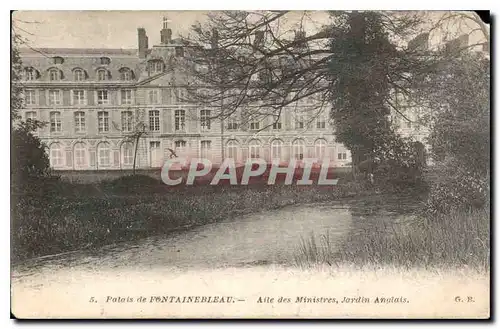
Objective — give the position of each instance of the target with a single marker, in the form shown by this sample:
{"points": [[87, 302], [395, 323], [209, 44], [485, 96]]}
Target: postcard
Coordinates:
{"points": [[250, 164]]}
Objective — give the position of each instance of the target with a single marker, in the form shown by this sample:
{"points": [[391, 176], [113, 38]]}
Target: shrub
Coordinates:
{"points": [[132, 183], [453, 188]]}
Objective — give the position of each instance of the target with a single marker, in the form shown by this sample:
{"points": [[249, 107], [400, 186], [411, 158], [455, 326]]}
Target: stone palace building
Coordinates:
{"points": [[89, 99]]}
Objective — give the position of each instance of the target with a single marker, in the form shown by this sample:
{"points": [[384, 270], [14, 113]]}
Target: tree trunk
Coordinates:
{"points": [[135, 153], [358, 156]]}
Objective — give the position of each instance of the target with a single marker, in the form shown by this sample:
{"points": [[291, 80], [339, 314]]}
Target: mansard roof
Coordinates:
{"points": [[87, 59], [78, 51]]}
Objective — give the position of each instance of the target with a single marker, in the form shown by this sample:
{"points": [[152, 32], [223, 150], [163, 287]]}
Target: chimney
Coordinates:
{"points": [[259, 39], [300, 35], [215, 38], [165, 33], [143, 42], [420, 42], [458, 44]]}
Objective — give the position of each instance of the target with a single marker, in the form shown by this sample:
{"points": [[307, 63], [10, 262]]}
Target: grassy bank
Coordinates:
{"points": [[61, 217], [458, 239]]}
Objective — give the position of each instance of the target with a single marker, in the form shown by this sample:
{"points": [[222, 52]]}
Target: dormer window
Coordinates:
{"points": [[126, 74], [179, 52], [58, 60], [30, 74], [155, 67], [55, 75], [103, 75], [79, 75], [104, 60]]}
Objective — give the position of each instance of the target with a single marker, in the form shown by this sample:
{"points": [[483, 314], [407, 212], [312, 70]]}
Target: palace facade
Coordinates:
{"points": [[92, 100]]}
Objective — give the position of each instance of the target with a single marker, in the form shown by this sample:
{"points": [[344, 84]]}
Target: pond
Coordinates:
{"points": [[261, 238]]}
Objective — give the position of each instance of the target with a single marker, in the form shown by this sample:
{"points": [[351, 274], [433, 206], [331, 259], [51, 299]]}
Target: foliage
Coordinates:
{"points": [[368, 68], [16, 89], [460, 136], [28, 157]]}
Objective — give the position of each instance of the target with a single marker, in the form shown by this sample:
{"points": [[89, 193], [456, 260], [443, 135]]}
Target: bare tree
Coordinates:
{"points": [[452, 25], [256, 65], [133, 129]]}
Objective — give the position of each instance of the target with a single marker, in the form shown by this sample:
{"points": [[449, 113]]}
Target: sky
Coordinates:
{"points": [[113, 29], [98, 29], [104, 29]]}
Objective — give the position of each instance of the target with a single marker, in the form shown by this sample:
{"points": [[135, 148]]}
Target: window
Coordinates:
{"points": [[79, 97], [127, 153], [79, 122], [156, 157], [155, 67], [30, 74], [181, 94], [80, 154], [276, 149], [55, 122], [102, 75], [342, 155], [320, 122], [180, 147], [154, 120], [320, 148], [179, 52], [104, 60], [232, 123], [126, 74], [126, 96], [180, 120], [30, 97], [79, 75], [127, 121], [58, 60], [298, 147], [396, 120], [254, 149], [266, 76], [103, 121], [30, 115], [103, 154], [299, 121], [54, 75], [205, 148], [254, 125], [180, 144], [153, 97], [54, 97], [232, 150], [205, 120], [56, 155], [102, 97], [277, 124]]}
